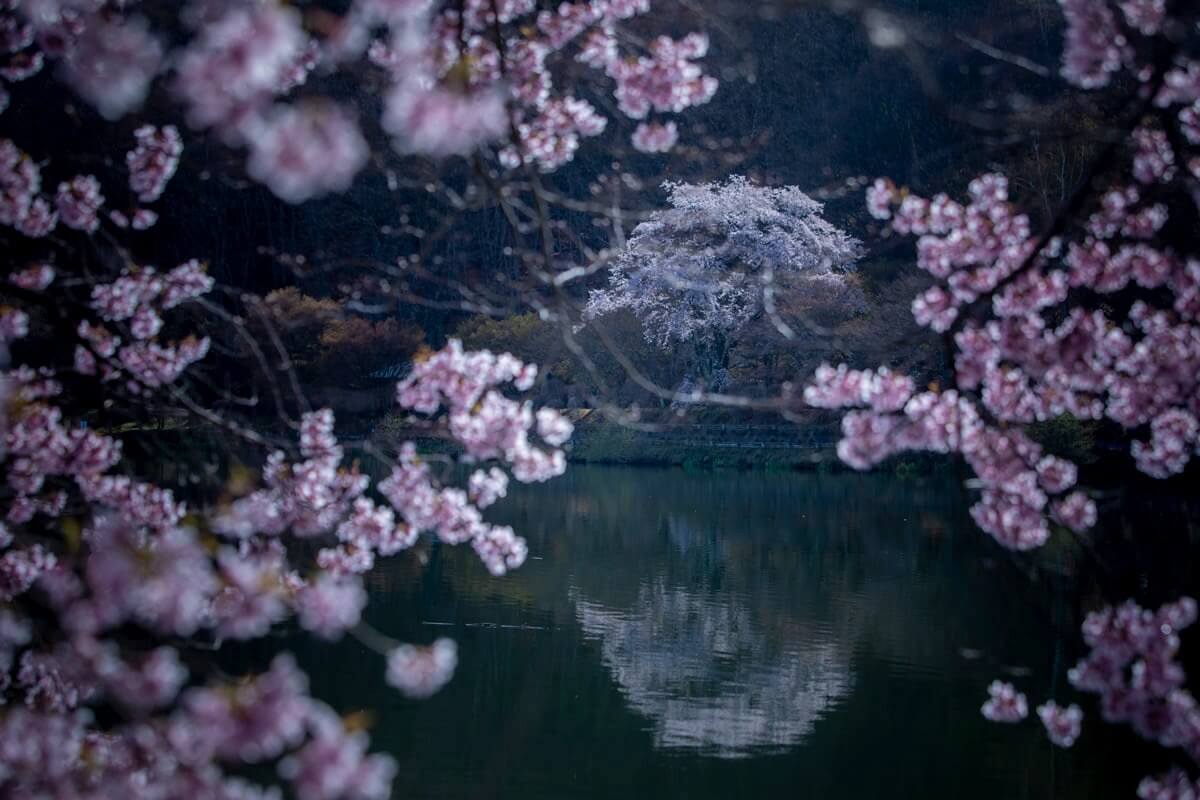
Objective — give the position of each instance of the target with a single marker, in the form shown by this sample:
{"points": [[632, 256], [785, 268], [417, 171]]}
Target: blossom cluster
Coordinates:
{"points": [[152, 163], [462, 76], [703, 268], [1097, 318], [464, 70], [1041, 326], [77, 202], [138, 563], [1007, 705], [1133, 666], [490, 426], [1021, 486], [137, 300]]}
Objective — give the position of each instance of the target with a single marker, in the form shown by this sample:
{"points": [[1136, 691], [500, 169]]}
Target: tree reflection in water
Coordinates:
{"points": [[708, 677]]}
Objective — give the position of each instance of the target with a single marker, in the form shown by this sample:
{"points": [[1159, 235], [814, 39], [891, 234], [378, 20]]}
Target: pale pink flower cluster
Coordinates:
{"points": [[14, 324], [666, 81], [449, 96], [454, 89], [330, 604], [439, 122], [153, 160], [487, 487], [1153, 158], [20, 568], [35, 278], [1095, 48], [488, 424], [109, 58], [422, 671], [1020, 485], [40, 447], [235, 64], [138, 298], [135, 564], [1133, 667], [334, 763], [315, 496], [156, 574], [21, 205], [1175, 784], [881, 390], [20, 58], [112, 62], [78, 202], [1141, 370], [1062, 724], [551, 138], [308, 497], [302, 151], [973, 248], [654, 137], [230, 77], [1005, 703]]}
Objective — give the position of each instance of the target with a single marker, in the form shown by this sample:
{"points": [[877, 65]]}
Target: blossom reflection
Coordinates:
{"points": [[707, 675]]}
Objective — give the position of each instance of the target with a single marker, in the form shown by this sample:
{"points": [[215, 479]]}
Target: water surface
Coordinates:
{"points": [[680, 635]]}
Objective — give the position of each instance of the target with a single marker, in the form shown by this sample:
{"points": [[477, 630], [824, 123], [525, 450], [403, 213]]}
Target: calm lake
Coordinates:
{"points": [[683, 635]]}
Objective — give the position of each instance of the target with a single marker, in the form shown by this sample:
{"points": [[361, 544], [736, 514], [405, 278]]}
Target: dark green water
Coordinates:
{"points": [[681, 635]]}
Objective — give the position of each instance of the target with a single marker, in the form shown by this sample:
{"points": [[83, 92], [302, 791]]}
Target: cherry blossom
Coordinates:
{"points": [[333, 764], [1095, 48], [112, 63], [153, 162], [236, 63], [703, 268], [330, 604], [1174, 785], [1062, 724], [302, 152], [1005, 704], [78, 202], [35, 278], [655, 137], [442, 123], [127, 579], [421, 671]]}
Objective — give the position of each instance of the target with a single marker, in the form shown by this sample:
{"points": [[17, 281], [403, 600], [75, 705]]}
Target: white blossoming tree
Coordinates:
{"points": [[721, 256]]}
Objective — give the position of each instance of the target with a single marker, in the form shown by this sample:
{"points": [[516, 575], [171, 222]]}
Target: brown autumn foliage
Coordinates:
{"points": [[330, 346]]}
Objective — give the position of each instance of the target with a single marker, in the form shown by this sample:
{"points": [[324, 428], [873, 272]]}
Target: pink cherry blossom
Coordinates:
{"points": [[422, 671], [1132, 665], [500, 549], [153, 161], [251, 721], [333, 765], [440, 122], [35, 278], [655, 137], [667, 81], [236, 64], [1095, 48], [1062, 724], [302, 152], [1174, 785], [78, 202], [329, 605], [112, 63], [1005, 704]]}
